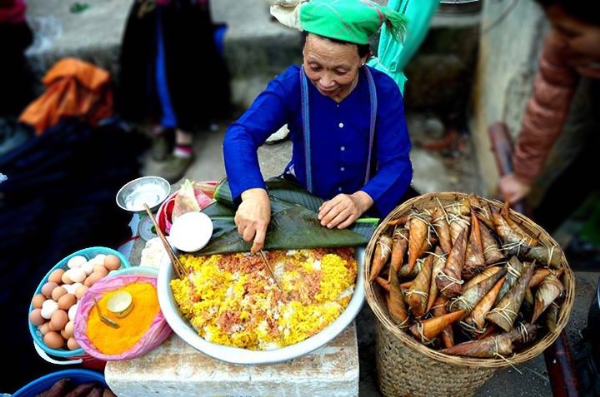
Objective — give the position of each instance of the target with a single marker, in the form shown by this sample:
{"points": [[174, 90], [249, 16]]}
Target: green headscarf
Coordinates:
{"points": [[353, 21]]}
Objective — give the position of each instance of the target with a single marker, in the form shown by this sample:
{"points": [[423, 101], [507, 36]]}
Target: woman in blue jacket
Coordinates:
{"points": [[346, 120]]}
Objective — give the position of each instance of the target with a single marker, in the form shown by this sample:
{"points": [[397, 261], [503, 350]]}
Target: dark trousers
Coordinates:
{"points": [[16, 78]]}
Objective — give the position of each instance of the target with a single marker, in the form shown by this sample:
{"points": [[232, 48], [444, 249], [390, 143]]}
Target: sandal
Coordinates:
{"points": [[175, 168]]}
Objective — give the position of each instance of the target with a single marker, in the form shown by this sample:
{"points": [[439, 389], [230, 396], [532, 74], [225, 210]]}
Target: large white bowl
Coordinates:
{"points": [[185, 331]]}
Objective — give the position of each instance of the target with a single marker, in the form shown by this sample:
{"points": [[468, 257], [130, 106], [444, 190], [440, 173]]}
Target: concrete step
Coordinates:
{"points": [[256, 47]]}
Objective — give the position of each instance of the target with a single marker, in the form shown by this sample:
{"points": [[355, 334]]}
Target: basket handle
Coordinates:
{"points": [[46, 357]]}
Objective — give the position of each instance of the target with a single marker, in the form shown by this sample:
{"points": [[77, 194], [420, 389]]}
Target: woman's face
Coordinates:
{"points": [[332, 67], [581, 39]]}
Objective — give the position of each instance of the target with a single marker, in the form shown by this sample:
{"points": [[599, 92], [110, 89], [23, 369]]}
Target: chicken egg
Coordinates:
{"points": [[70, 288], [81, 290], [92, 279], [67, 332], [88, 267], [56, 275], [76, 274], [76, 261], [72, 311], [48, 308], [102, 271], [59, 319], [65, 278], [54, 340], [36, 317], [44, 328], [58, 292], [72, 344], [66, 301], [112, 262], [38, 300], [48, 288]]}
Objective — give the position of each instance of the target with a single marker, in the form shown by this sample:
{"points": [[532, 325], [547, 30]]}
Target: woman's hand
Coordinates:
{"points": [[513, 189], [342, 210], [253, 216]]}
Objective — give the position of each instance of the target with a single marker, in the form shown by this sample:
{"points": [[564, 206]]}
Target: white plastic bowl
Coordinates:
{"points": [[235, 355], [191, 231]]}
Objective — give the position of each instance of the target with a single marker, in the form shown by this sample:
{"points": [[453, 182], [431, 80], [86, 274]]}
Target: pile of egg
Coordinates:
{"points": [[54, 308]]}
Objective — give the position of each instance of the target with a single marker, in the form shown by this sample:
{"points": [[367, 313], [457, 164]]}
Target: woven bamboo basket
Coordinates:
{"points": [[405, 367]]}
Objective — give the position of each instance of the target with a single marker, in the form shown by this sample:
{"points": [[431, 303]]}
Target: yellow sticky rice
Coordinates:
{"points": [[232, 300]]}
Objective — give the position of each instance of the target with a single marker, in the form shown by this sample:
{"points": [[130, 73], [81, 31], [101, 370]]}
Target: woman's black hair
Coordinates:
{"points": [[584, 10], [363, 49]]}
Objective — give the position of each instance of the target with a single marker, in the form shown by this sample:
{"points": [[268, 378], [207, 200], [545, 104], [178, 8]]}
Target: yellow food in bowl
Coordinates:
{"points": [[232, 300], [131, 328]]}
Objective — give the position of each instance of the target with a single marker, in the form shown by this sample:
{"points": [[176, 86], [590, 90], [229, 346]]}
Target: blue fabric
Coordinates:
{"points": [[168, 118], [340, 137], [220, 38]]}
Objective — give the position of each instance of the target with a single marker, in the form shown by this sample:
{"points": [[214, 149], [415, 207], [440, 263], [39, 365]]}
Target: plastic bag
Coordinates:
{"points": [[204, 193], [185, 201], [192, 196], [156, 334]]}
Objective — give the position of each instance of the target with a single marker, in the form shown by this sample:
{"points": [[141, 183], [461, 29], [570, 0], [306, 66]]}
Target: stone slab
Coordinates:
{"points": [[177, 369]]}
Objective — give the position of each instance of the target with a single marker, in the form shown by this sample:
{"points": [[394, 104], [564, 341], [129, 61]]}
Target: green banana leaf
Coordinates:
{"points": [[295, 227], [278, 188], [294, 223]]}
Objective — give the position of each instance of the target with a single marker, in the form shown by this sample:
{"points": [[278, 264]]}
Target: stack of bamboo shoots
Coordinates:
{"points": [[467, 278]]}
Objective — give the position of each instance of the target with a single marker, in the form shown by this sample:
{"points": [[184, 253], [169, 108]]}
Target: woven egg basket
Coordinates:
{"points": [[405, 367]]}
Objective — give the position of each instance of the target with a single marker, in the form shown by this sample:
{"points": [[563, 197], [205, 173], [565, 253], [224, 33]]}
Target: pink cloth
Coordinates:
{"points": [[12, 11]]}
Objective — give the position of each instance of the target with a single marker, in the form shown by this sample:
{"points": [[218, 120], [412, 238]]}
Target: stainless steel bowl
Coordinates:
{"points": [[152, 190], [182, 327]]}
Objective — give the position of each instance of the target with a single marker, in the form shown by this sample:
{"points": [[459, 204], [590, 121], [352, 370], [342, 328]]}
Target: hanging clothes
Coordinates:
{"points": [[393, 55]]}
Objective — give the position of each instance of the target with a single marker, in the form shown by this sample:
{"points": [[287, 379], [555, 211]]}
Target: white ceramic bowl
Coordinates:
{"points": [[152, 190], [191, 231], [235, 355]]}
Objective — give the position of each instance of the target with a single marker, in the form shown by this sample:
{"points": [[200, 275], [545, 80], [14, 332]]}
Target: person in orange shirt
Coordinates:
{"points": [[565, 104]]}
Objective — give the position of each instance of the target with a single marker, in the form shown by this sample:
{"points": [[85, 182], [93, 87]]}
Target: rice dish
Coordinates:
{"points": [[232, 300]]}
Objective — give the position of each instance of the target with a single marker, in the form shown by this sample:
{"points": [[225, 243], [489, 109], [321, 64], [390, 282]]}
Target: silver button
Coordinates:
{"points": [[341, 125], [342, 168], [342, 148], [339, 189]]}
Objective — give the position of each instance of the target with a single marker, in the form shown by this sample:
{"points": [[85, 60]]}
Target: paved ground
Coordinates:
{"points": [[452, 169]]}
